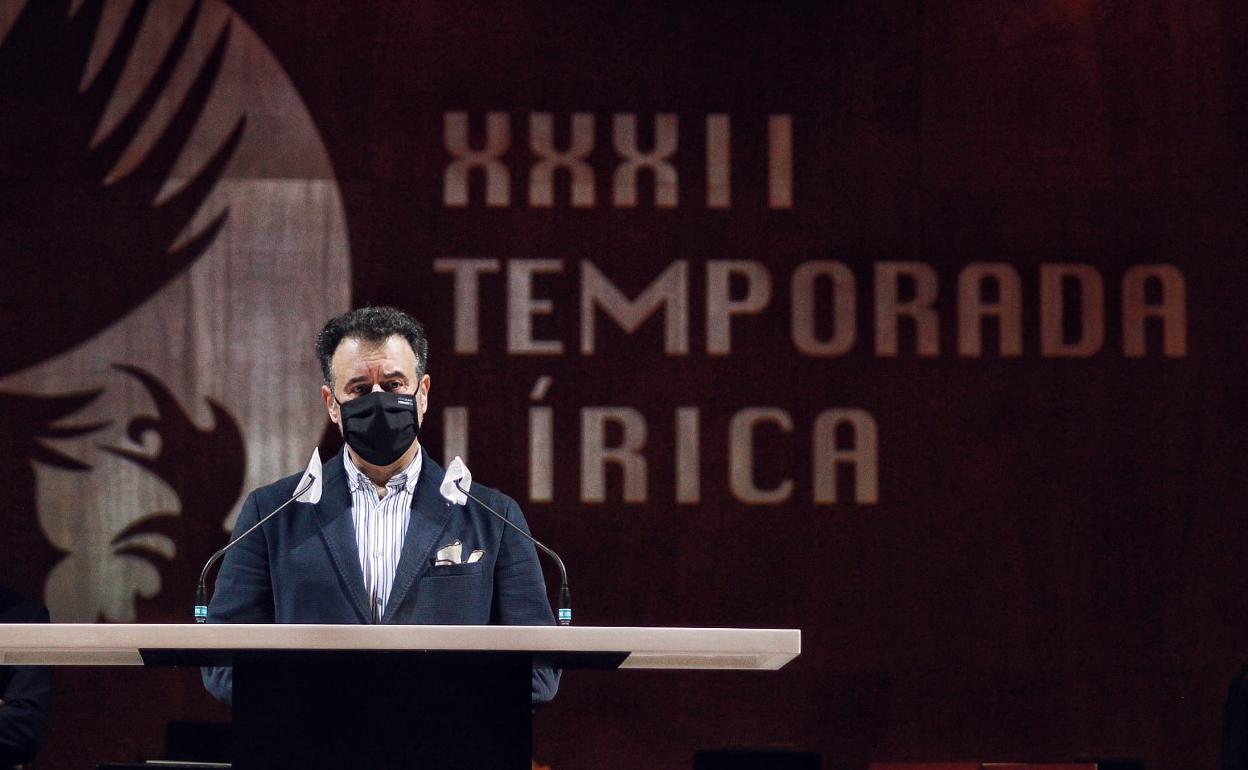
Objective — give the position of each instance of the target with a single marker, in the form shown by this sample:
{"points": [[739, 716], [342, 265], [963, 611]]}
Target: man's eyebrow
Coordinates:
{"points": [[396, 374]]}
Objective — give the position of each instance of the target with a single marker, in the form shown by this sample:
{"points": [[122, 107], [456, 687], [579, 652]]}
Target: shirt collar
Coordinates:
{"points": [[405, 479]]}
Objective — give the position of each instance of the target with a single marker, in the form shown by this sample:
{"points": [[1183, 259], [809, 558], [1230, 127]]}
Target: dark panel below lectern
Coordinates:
{"points": [[755, 759], [382, 710]]}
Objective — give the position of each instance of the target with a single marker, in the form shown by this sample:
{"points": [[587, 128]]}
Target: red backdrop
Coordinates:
{"points": [[1030, 549]]}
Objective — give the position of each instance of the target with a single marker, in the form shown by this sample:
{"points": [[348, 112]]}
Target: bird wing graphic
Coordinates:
{"points": [[83, 250]]}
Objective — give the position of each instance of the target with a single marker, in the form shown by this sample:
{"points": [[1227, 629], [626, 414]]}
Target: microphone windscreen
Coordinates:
{"points": [[457, 471], [313, 493]]}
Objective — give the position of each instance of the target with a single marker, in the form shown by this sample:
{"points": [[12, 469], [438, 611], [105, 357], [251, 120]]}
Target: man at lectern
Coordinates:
{"points": [[24, 690], [382, 545]]}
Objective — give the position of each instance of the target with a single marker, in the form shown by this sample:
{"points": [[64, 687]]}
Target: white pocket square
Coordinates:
{"points": [[452, 553]]}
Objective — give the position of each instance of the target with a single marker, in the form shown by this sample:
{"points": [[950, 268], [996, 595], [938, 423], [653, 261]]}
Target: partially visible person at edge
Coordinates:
{"points": [[25, 691], [381, 521]]}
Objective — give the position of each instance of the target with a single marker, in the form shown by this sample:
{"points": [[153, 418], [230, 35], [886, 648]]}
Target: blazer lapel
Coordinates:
{"points": [[333, 514], [430, 513]]}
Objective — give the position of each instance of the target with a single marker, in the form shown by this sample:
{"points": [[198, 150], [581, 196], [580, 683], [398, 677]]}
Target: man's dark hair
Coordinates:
{"points": [[375, 325]]}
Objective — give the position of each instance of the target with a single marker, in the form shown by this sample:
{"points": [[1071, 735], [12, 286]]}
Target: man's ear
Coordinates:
{"points": [[422, 396], [331, 406]]}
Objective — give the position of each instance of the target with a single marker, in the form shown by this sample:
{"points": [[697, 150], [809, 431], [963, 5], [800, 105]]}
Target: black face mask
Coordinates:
{"points": [[380, 426]]}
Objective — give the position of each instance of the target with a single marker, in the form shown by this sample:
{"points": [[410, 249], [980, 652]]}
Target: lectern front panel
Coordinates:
{"points": [[382, 710]]}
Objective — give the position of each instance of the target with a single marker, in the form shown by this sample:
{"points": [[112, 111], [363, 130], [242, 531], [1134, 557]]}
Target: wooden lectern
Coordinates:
{"points": [[381, 697]]}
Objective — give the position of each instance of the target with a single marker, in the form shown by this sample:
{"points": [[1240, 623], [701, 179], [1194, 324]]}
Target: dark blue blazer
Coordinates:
{"points": [[303, 566], [25, 690]]}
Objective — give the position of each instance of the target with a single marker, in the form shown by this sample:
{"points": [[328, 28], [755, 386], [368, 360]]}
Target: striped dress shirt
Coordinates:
{"points": [[380, 525]]}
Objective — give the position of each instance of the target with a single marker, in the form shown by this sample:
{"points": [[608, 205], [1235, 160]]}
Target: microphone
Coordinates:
{"points": [[308, 490], [458, 479]]}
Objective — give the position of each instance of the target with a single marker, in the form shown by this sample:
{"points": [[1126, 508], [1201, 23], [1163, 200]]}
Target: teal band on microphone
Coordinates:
{"points": [[565, 616], [201, 612]]}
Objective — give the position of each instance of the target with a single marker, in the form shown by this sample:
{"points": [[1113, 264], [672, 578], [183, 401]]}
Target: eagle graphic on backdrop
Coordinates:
{"points": [[133, 405]]}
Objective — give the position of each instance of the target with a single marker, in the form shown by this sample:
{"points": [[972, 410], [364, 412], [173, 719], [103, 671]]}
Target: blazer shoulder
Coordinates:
{"points": [[495, 499], [282, 489], [432, 473]]}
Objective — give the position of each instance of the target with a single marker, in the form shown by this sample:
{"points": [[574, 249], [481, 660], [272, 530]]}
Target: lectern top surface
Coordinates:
{"points": [[113, 644]]}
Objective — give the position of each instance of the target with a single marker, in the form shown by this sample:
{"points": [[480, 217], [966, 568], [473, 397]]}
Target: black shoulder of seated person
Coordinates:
{"points": [[15, 608]]}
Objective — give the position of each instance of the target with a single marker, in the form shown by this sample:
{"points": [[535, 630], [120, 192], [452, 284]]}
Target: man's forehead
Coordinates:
{"points": [[357, 352]]}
